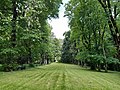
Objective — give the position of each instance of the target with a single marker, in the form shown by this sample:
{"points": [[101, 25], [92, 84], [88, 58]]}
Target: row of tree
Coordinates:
{"points": [[25, 35], [94, 36]]}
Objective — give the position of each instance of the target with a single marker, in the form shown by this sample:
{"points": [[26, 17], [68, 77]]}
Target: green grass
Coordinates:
{"points": [[57, 76]]}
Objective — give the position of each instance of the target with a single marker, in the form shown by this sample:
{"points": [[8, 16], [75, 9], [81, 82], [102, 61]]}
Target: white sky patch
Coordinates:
{"points": [[60, 25]]}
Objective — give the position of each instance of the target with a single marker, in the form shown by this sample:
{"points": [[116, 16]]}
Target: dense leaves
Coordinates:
{"points": [[25, 35], [92, 40]]}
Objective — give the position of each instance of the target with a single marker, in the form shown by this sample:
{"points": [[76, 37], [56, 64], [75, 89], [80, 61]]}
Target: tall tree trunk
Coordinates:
{"points": [[30, 55], [93, 66], [105, 62], [13, 33], [99, 66], [78, 62], [106, 65], [112, 23]]}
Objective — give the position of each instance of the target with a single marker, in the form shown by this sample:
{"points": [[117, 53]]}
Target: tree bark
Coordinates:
{"points": [[13, 32], [30, 55], [112, 23]]}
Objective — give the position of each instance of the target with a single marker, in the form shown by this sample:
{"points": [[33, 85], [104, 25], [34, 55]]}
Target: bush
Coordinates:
{"points": [[1, 67], [21, 67], [31, 65], [8, 67]]}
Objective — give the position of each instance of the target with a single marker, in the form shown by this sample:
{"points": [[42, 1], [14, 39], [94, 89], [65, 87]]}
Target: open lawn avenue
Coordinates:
{"points": [[58, 76], [59, 44]]}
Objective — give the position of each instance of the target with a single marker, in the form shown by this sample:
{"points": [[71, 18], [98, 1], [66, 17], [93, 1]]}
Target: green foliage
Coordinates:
{"points": [[31, 65], [66, 51], [25, 35], [90, 37], [82, 55]]}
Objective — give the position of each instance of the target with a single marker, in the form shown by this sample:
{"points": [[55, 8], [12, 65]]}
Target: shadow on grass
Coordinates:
{"points": [[89, 70]]}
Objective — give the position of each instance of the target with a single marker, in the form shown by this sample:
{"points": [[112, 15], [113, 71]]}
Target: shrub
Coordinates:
{"points": [[31, 65]]}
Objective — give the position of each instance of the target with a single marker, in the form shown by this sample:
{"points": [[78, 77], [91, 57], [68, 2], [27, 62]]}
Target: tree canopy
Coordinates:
{"points": [[94, 34], [25, 34]]}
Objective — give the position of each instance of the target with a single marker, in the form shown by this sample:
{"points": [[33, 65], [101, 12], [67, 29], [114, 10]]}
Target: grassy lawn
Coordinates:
{"points": [[57, 76]]}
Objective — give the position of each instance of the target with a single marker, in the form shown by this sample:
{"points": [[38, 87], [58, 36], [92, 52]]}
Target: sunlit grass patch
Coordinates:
{"points": [[58, 76]]}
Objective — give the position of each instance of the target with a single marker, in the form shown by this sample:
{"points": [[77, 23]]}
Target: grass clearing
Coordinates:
{"points": [[58, 76]]}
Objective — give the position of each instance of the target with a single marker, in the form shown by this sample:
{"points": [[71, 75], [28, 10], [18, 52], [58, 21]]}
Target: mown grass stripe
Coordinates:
{"points": [[11, 84], [58, 76], [33, 80]]}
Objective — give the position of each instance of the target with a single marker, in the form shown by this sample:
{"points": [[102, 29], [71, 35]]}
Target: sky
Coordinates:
{"points": [[60, 25]]}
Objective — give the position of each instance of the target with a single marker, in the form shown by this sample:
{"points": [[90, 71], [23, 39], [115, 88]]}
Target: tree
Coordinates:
{"points": [[66, 54], [24, 29], [111, 9], [89, 33]]}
